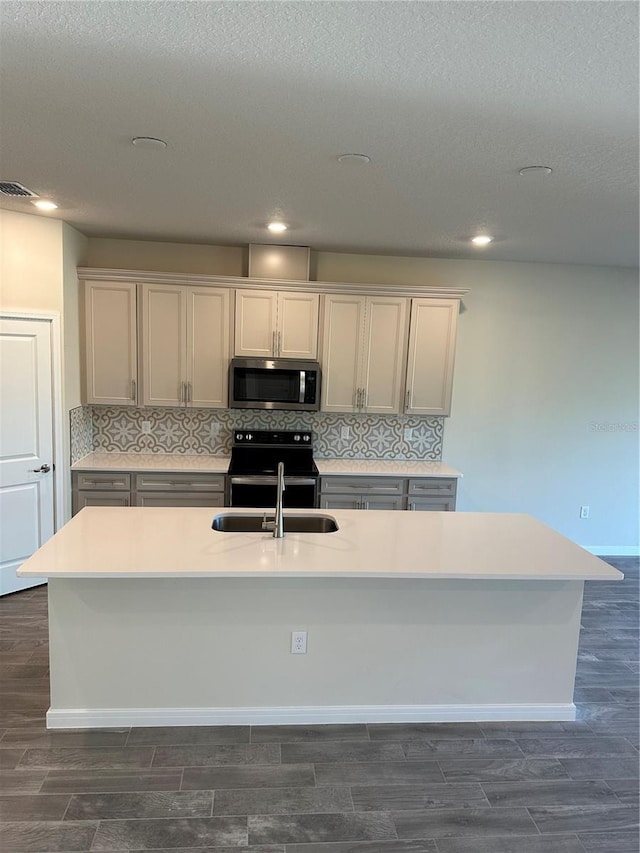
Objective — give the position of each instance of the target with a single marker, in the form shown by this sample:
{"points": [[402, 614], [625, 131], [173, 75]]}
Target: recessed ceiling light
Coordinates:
{"points": [[277, 227], [43, 204], [534, 171], [356, 159], [150, 143], [481, 240]]}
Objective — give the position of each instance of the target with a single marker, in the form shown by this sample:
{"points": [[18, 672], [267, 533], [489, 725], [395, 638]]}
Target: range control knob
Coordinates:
{"points": [[296, 437], [239, 436], [306, 438], [248, 436]]}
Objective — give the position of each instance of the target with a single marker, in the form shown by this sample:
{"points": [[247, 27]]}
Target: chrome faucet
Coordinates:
{"points": [[277, 525]]}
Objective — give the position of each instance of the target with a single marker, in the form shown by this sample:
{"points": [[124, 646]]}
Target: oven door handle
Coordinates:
{"points": [[271, 481], [303, 385]]}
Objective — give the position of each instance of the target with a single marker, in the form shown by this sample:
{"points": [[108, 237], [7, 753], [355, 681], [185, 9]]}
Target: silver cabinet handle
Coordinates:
{"points": [[355, 398], [364, 398], [133, 389], [273, 343], [358, 398], [279, 343], [189, 393], [43, 469], [408, 400]]}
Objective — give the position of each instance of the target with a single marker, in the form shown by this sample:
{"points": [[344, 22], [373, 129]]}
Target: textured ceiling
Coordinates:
{"points": [[257, 99]]}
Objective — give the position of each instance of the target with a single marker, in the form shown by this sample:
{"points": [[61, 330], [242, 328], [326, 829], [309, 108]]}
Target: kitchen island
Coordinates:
{"points": [[156, 619]]}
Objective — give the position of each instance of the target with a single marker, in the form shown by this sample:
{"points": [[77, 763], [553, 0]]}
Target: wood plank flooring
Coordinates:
{"points": [[417, 788]]}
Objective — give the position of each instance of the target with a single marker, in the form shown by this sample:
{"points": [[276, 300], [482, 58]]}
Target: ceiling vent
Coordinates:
{"points": [[16, 190]]}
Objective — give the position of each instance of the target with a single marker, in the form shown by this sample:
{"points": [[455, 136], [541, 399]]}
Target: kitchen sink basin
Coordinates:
{"points": [[232, 523]]}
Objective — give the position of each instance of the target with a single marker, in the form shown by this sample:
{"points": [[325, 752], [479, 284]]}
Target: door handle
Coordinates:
{"points": [[273, 344], [279, 344], [133, 389], [408, 400], [43, 469]]}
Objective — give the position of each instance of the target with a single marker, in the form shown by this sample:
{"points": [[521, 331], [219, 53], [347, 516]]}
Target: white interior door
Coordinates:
{"points": [[26, 446]]}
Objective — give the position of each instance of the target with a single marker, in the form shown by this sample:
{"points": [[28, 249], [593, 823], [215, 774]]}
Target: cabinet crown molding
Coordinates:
{"points": [[154, 277]]}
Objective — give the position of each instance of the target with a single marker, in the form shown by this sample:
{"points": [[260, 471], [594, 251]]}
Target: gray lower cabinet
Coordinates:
{"points": [[389, 493], [150, 490]]}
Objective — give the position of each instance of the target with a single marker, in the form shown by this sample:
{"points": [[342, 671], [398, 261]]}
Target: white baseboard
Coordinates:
{"points": [[104, 718], [613, 550]]}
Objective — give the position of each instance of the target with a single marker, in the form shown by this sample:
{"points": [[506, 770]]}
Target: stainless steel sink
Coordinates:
{"points": [[232, 523]]}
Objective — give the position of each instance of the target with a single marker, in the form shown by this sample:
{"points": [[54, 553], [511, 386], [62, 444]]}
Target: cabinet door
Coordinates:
{"points": [[432, 505], [111, 372], [343, 328], [384, 354], [207, 347], [95, 498], [176, 499], [381, 502], [256, 312], [337, 502], [164, 347], [297, 325], [432, 342]]}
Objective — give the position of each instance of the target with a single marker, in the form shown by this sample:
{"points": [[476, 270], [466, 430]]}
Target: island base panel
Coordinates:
{"points": [[180, 651]]}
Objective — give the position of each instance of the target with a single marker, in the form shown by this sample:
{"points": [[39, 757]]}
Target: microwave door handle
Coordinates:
{"points": [[303, 383]]}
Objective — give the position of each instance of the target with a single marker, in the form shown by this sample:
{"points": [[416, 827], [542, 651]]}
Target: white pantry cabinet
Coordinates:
{"points": [[185, 346], [363, 353], [276, 324], [111, 356], [432, 346]]}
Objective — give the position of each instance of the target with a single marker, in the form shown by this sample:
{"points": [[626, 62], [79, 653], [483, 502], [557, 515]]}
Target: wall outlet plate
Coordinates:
{"points": [[214, 430], [298, 642], [345, 432], [146, 427], [408, 433]]}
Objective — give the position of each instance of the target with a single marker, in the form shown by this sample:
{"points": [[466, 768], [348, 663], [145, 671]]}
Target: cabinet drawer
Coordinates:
{"points": [[180, 482], [432, 486], [175, 499], [103, 480], [362, 485]]}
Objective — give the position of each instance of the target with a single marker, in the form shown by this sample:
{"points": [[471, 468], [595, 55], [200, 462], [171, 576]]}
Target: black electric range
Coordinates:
{"points": [[253, 468]]}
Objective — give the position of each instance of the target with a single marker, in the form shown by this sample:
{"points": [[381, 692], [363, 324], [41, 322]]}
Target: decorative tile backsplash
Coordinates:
{"points": [[81, 432], [209, 431]]}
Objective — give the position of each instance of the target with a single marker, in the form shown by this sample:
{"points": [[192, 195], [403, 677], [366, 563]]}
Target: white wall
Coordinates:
{"points": [[545, 352], [30, 262], [38, 274]]}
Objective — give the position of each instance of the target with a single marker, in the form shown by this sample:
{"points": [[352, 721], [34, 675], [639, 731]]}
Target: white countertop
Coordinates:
{"points": [[385, 468], [173, 463], [170, 463], [108, 542]]}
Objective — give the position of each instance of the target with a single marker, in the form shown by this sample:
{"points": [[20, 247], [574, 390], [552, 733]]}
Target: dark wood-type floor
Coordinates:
{"points": [[437, 788]]}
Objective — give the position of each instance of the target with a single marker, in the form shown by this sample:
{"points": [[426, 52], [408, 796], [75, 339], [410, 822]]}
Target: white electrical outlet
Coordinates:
{"points": [[584, 512], [408, 433], [298, 642], [146, 427], [345, 432], [214, 430]]}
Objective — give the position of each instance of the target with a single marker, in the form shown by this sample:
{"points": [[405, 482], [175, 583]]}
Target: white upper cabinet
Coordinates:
{"points": [[276, 324], [363, 353], [385, 347], [185, 346], [110, 367], [208, 349], [432, 345]]}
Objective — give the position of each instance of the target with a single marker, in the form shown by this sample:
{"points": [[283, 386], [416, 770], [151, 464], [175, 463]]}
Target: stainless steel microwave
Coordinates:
{"points": [[274, 383]]}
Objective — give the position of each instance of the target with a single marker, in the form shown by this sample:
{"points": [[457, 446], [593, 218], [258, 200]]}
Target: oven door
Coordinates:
{"points": [[261, 491]]}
